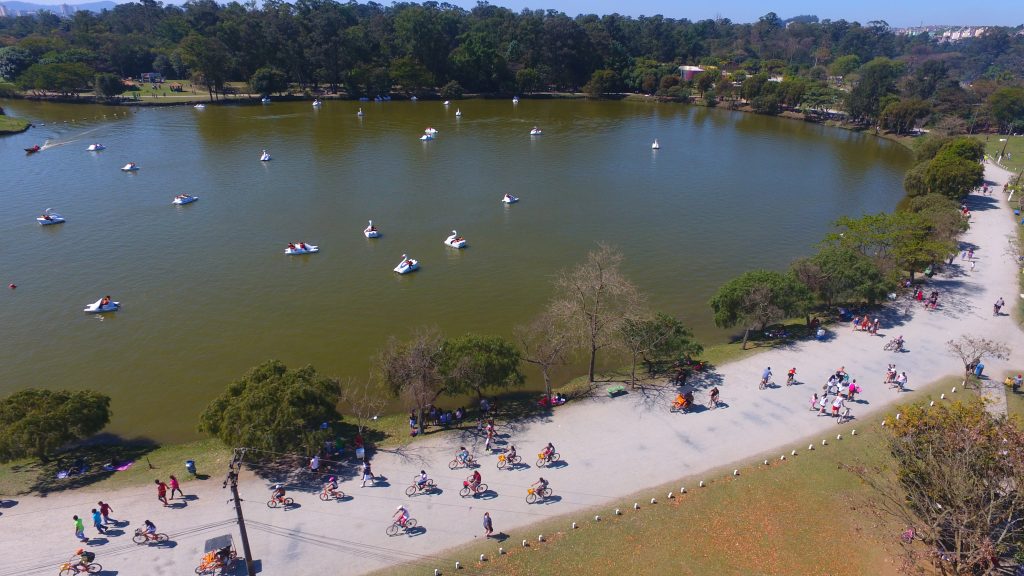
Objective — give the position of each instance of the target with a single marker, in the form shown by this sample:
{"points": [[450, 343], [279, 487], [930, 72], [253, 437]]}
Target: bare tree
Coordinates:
{"points": [[544, 344], [363, 400], [973, 349], [411, 369], [955, 481], [592, 301]]}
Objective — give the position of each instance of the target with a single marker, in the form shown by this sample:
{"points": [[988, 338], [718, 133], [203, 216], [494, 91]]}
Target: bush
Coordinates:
{"points": [[452, 91], [38, 422], [8, 90]]}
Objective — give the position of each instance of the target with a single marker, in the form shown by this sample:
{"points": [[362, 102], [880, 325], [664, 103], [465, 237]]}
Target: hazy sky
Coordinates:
{"points": [[896, 13]]}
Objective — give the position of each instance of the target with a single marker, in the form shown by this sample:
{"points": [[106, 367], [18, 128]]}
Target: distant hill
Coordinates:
{"points": [[14, 7]]}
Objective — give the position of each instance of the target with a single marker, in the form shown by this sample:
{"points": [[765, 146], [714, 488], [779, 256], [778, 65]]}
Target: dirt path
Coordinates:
{"points": [[610, 447]]}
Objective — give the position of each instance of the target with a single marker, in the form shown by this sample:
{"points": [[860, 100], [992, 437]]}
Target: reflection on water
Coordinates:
{"points": [[208, 293]]}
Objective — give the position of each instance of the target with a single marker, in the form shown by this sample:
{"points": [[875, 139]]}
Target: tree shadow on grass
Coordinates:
{"points": [[85, 464]]}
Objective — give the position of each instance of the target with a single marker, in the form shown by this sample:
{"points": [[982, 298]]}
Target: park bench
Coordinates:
{"points": [[614, 391]]}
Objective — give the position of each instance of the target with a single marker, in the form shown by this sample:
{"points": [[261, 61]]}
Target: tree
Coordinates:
{"points": [[275, 409], [267, 81], [363, 401], [37, 422], [528, 80], [656, 339], [755, 299], [900, 116], [108, 85], [592, 300], [66, 79], [544, 344], [957, 470], [704, 82], [14, 61], [838, 273], [452, 91], [843, 65], [412, 369], [877, 80], [209, 60], [474, 363], [601, 82], [971, 350], [1006, 106], [411, 75], [952, 176]]}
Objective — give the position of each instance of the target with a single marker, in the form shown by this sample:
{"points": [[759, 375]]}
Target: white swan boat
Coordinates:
{"points": [[129, 167], [431, 131], [426, 137], [509, 199], [515, 99], [317, 103], [447, 103], [199, 106], [536, 131], [265, 100], [96, 147], [371, 231], [50, 217], [183, 199], [458, 113], [407, 265], [655, 145], [95, 307], [455, 241], [265, 156], [360, 113], [298, 248]]}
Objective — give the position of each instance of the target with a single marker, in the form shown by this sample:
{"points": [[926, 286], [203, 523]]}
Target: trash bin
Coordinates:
{"points": [[190, 465], [979, 369], [360, 453]]}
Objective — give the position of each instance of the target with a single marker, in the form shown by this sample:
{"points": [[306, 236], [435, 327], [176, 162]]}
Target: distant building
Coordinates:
{"points": [[688, 72], [945, 33]]}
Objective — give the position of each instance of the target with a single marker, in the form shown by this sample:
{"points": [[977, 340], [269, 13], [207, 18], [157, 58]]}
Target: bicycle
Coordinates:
{"points": [[894, 345], [395, 527], [416, 488], [326, 495], [765, 383], [506, 461], [141, 537], [790, 379], [283, 502], [212, 562], [456, 463], [543, 462], [69, 568], [468, 489], [533, 494]]}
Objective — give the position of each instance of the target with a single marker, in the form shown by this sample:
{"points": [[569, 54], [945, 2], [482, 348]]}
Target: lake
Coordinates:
{"points": [[207, 291]]}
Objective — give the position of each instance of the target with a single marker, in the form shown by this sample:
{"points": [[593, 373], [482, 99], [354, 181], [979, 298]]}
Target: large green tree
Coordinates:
{"points": [[1006, 105], [108, 85], [837, 274], [267, 81], [473, 363], [37, 422], [274, 408], [877, 79], [757, 298]]}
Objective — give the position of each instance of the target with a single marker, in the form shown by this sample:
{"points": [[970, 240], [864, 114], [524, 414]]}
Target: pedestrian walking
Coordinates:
{"points": [[488, 527], [314, 464], [105, 511], [161, 492], [80, 529], [176, 487], [970, 254], [874, 327], [852, 390], [97, 521], [367, 474], [998, 306], [972, 265]]}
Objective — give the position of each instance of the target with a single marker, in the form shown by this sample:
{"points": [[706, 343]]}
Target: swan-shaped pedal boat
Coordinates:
{"points": [[655, 145], [50, 217], [515, 99], [430, 131], [96, 147], [447, 103], [509, 199], [426, 137], [536, 131], [317, 103], [265, 156], [129, 167], [297, 248], [360, 113], [99, 307], [371, 231], [265, 100], [200, 106], [182, 199], [455, 241], [407, 265], [458, 113]]}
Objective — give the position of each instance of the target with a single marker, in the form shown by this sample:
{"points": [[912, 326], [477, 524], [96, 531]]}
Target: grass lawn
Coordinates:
{"points": [[9, 125], [32, 476], [1014, 147], [805, 515]]}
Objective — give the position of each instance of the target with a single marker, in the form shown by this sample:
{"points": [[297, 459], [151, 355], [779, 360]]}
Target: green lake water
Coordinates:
{"points": [[207, 291]]}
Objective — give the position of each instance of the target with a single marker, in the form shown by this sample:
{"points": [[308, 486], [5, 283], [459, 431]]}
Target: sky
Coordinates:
{"points": [[898, 13]]}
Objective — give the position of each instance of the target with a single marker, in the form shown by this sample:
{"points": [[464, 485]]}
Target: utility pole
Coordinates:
{"points": [[233, 469]]}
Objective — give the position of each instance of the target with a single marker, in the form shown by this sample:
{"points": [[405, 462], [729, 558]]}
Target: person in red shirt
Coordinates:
{"points": [[175, 487], [105, 511], [161, 491]]}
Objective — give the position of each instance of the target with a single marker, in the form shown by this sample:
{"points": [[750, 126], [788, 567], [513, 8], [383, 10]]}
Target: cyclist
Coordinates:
{"points": [[421, 481], [278, 493], [511, 454], [540, 487], [475, 480], [549, 451], [680, 402], [463, 455], [401, 516], [85, 558], [332, 486], [791, 376], [149, 529], [766, 376], [714, 396]]}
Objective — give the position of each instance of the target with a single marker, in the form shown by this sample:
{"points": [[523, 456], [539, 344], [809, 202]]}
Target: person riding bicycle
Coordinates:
{"points": [[421, 480], [85, 558], [332, 486], [680, 402], [401, 516], [766, 376], [475, 480], [714, 396], [278, 493], [149, 529], [511, 454], [540, 487], [791, 376], [549, 451], [463, 455]]}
